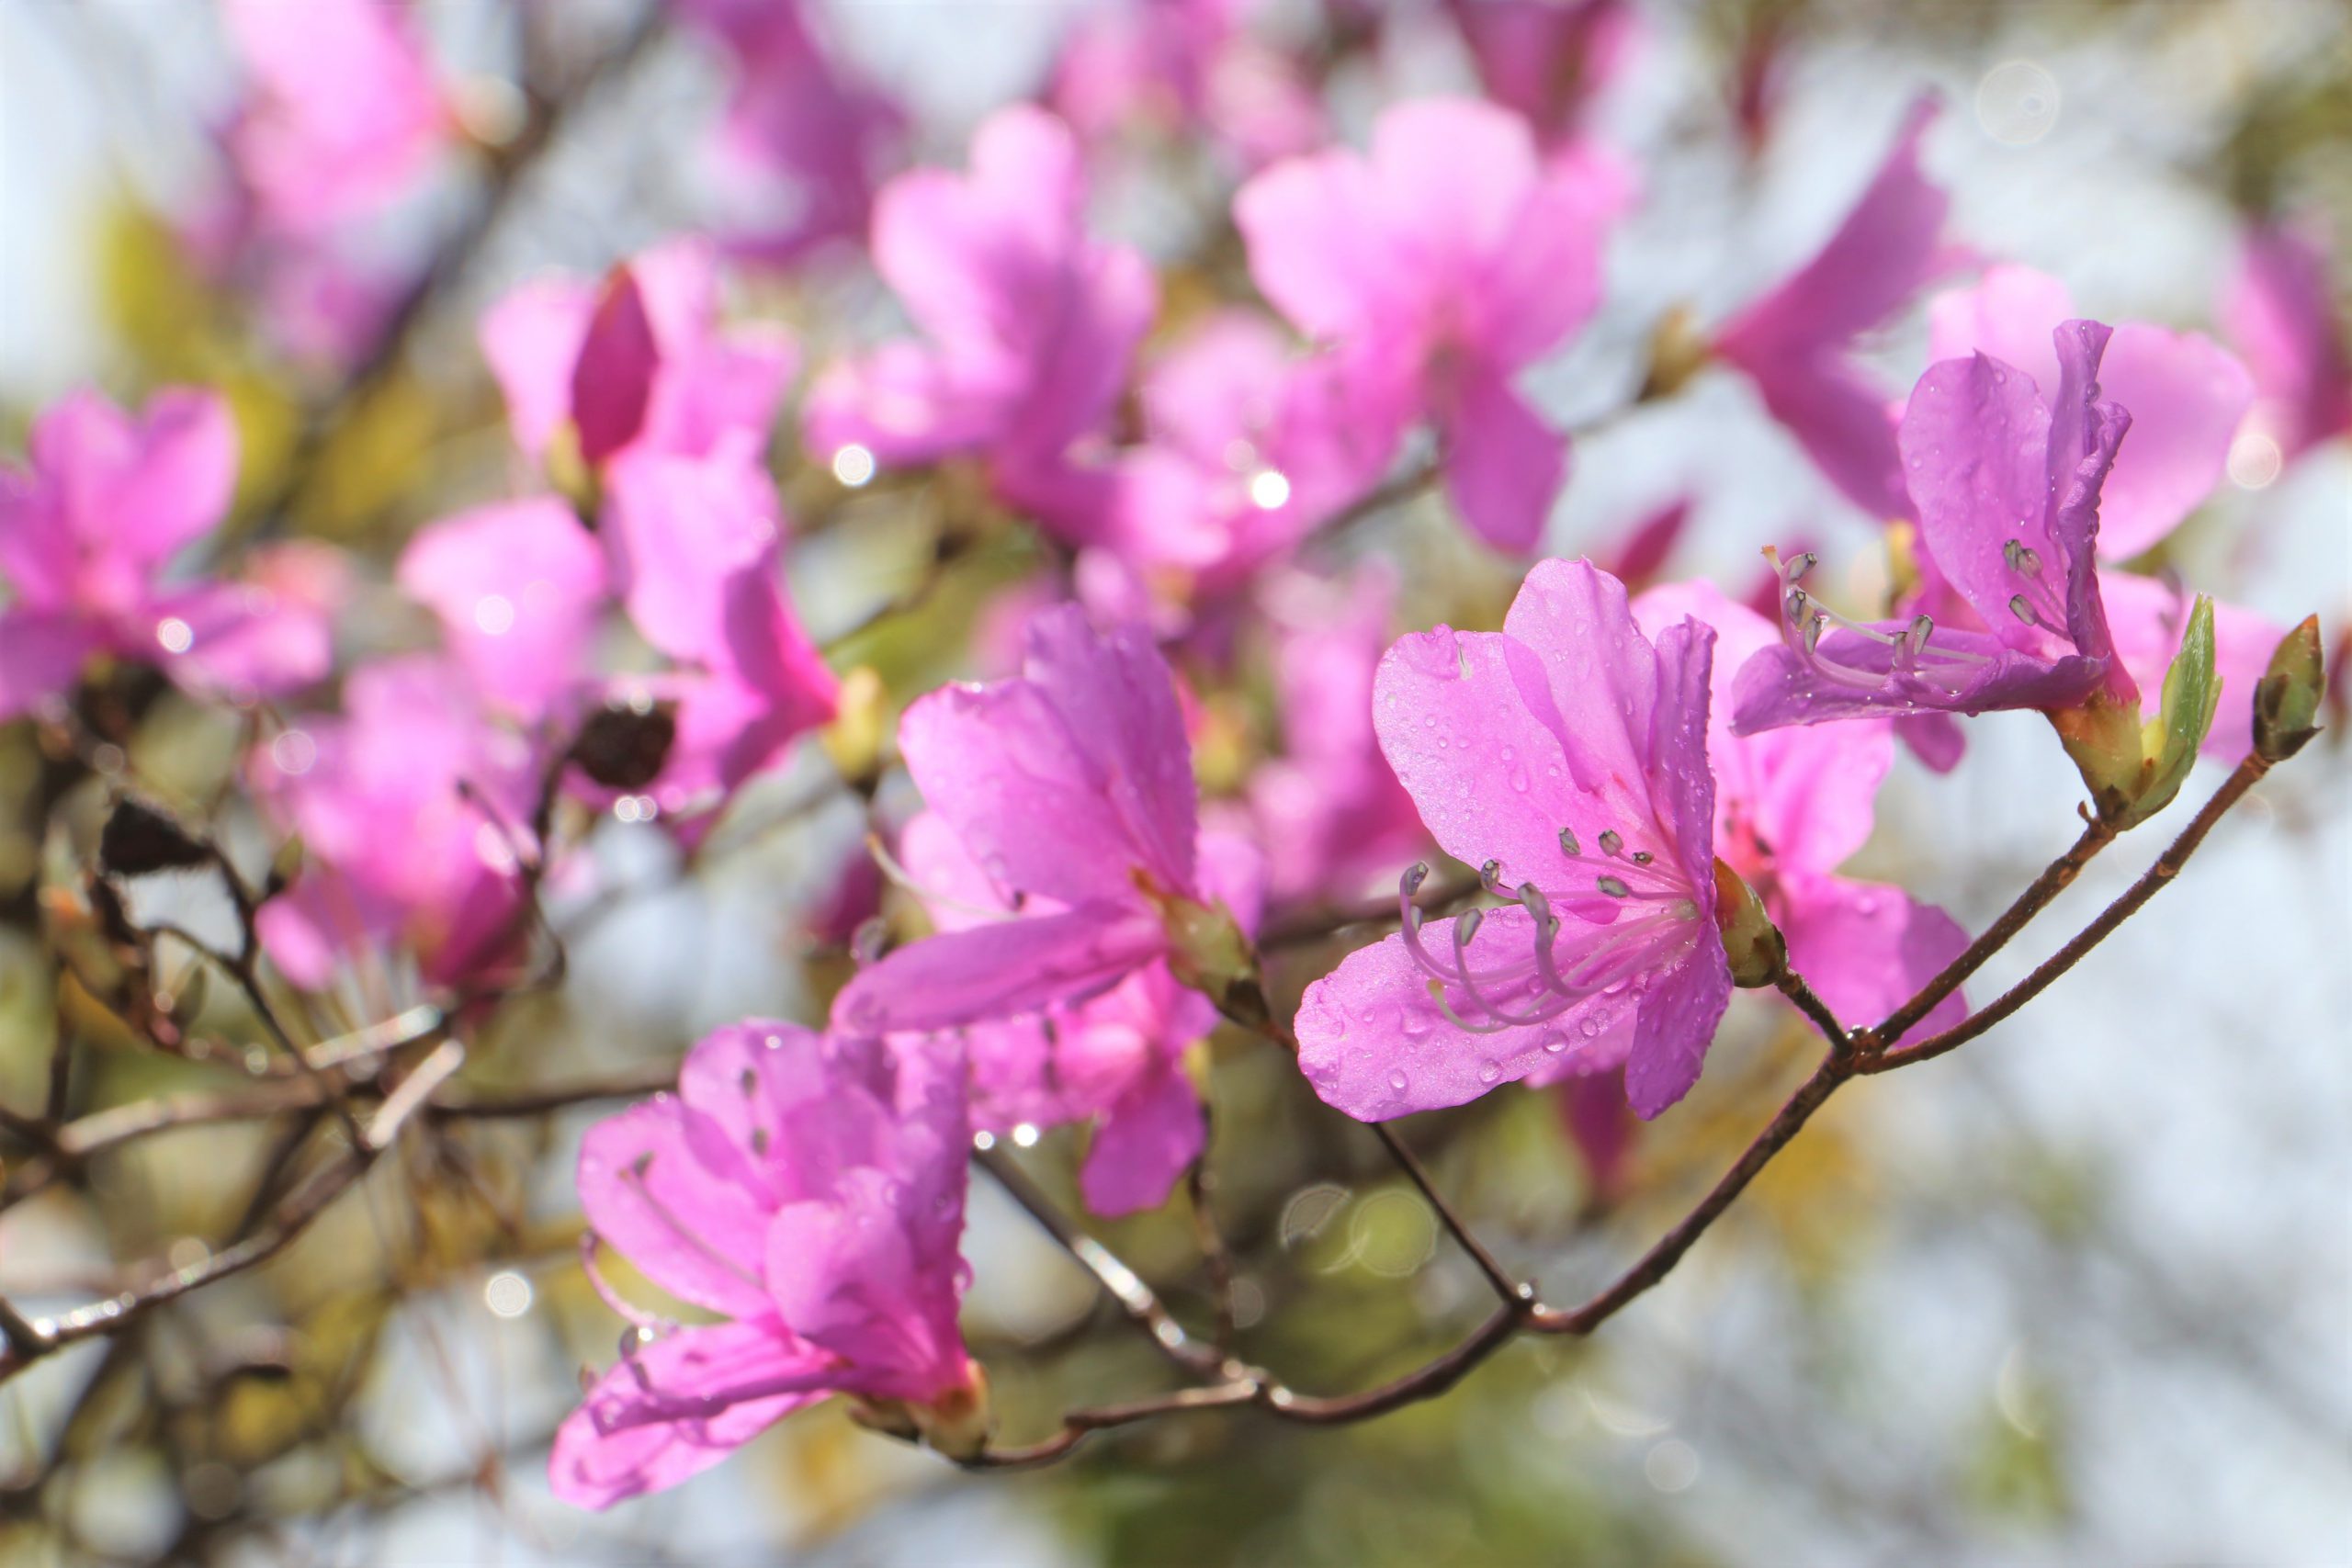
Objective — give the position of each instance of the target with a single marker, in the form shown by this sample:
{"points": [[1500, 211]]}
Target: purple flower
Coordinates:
{"points": [[1329, 800], [2007, 488], [1567, 755], [1070, 786], [1169, 67], [1451, 259], [1549, 59], [637, 364], [87, 534], [2280, 313], [803, 137], [1116, 1060], [1250, 446], [414, 809], [808, 1189], [342, 114], [1793, 804], [1029, 326], [2185, 394], [2188, 399], [1797, 341]]}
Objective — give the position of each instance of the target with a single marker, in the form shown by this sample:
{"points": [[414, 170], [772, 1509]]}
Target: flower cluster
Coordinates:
{"points": [[1237, 708]]}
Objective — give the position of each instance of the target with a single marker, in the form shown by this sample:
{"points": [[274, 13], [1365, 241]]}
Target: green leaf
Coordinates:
{"points": [[2172, 737]]}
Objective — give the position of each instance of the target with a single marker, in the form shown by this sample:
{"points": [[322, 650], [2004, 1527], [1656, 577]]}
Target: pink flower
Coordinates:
{"points": [[1567, 755], [1329, 800], [1549, 59], [1029, 325], [87, 533], [2188, 398], [1790, 806], [2007, 488], [1248, 448], [2280, 313], [2186, 395], [808, 1188], [344, 114], [414, 809], [1450, 260], [635, 364], [1797, 341], [1070, 786], [803, 139], [520, 588], [517, 587], [1116, 1060], [1181, 65]]}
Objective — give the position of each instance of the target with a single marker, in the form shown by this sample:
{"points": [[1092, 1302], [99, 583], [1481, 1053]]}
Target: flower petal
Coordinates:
{"points": [[616, 1446]]}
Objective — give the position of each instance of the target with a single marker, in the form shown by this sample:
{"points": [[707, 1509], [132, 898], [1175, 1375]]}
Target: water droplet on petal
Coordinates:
{"points": [[1397, 1080]]}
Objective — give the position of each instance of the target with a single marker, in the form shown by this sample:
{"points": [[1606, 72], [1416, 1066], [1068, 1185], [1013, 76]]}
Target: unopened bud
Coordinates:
{"points": [[1677, 352], [1751, 942], [858, 739], [625, 744], [2287, 700], [2103, 739], [137, 838]]}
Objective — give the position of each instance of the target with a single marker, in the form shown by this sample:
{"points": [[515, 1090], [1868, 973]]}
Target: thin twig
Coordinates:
{"points": [[1792, 985], [2150, 881], [1123, 1285], [2055, 879]]}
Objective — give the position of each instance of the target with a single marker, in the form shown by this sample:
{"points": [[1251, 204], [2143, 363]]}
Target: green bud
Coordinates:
{"points": [[1209, 952], [2170, 739], [2287, 700], [1759, 954]]}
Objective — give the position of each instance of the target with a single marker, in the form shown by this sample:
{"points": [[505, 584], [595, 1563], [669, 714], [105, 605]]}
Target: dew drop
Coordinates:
{"points": [[1554, 1041], [1397, 1080], [1490, 1072]]}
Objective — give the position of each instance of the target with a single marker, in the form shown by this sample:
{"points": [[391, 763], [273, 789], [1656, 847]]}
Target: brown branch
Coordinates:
{"points": [[1791, 984], [2055, 879], [1123, 1284], [2150, 881], [1659, 1261]]}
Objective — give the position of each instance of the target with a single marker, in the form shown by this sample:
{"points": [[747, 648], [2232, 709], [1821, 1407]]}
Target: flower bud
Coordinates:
{"points": [[1209, 952], [625, 743], [2286, 699], [137, 838], [858, 739], [1759, 954], [1677, 352]]}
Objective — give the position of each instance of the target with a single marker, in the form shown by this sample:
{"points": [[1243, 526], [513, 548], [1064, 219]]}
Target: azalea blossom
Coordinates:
{"points": [[2188, 398], [1115, 1061], [2280, 313], [413, 807], [805, 141], [2186, 393], [1248, 448], [1566, 756], [1549, 59], [1070, 786], [1792, 806], [1329, 799], [808, 1189], [2007, 488], [1444, 264], [342, 114], [1028, 323], [637, 363], [1797, 341], [1177, 65], [87, 534], [520, 588]]}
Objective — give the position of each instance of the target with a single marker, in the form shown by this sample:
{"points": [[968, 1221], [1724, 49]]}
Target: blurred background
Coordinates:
{"points": [[2081, 1293]]}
